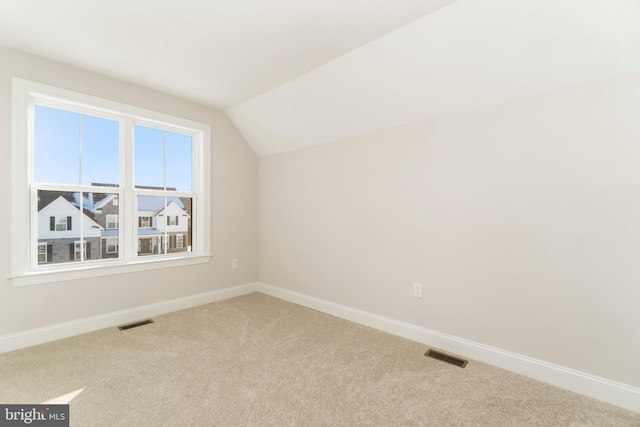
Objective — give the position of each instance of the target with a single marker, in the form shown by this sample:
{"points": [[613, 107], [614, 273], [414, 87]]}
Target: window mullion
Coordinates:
{"points": [[81, 201], [128, 226], [33, 223], [165, 235]]}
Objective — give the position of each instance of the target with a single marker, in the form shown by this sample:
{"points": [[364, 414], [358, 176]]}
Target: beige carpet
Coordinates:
{"points": [[257, 360]]}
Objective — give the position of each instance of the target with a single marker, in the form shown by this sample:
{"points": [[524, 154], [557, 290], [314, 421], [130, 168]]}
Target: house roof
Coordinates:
{"points": [[162, 212], [293, 74], [157, 203], [104, 201], [145, 203], [45, 198]]}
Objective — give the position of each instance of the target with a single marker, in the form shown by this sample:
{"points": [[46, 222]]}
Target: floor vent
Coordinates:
{"points": [[135, 325], [446, 358]]}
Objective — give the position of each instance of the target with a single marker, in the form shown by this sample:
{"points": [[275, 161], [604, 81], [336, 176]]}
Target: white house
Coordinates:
{"points": [[160, 224], [61, 227]]}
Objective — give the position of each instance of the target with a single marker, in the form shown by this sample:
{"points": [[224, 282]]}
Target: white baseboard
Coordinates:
{"points": [[618, 394], [81, 326]]}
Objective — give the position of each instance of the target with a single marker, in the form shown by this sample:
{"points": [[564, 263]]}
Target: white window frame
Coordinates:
{"points": [[179, 241], [116, 222], [24, 244]]}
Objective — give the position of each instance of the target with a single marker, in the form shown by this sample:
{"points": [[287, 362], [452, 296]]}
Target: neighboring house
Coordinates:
{"points": [[59, 225], [160, 224]]}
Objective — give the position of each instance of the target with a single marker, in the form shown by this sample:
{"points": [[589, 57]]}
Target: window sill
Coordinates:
{"points": [[98, 270]]}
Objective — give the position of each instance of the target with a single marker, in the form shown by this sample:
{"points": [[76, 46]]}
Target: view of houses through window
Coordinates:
{"points": [[81, 202], [61, 225], [157, 234]]}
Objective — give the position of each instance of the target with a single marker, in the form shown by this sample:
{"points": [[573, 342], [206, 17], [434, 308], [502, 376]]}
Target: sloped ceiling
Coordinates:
{"points": [[292, 73]]}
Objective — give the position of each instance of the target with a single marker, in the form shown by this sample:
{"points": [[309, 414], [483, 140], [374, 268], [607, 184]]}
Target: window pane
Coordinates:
{"points": [[150, 226], [59, 138], [178, 161], [60, 223], [160, 221], [162, 159], [187, 239], [103, 210], [56, 140], [148, 157], [179, 224], [61, 226], [100, 151]]}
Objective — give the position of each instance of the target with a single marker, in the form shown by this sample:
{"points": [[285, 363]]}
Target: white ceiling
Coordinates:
{"points": [[294, 73]]}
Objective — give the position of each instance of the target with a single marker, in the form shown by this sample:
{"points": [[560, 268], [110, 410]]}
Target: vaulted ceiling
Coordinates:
{"points": [[295, 73]]}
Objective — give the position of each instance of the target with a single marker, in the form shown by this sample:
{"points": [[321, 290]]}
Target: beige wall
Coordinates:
{"points": [[521, 220], [234, 200]]}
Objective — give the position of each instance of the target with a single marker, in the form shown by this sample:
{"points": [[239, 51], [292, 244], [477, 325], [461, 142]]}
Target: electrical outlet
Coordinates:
{"points": [[417, 290], [235, 263]]}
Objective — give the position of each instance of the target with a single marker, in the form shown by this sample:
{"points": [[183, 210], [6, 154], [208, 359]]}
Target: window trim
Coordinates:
{"points": [[24, 270]]}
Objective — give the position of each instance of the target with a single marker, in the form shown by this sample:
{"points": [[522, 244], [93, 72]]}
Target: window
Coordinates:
{"points": [[179, 241], [80, 250], [112, 220], [163, 164], [42, 253], [98, 173], [61, 223], [111, 245], [145, 222]]}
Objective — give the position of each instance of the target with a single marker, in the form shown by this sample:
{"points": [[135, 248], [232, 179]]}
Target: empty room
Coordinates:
{"points": [[303, 212]]}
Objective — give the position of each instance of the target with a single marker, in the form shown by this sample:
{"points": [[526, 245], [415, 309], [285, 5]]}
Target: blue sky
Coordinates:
{"points": [[57, 151], [149, 154]]}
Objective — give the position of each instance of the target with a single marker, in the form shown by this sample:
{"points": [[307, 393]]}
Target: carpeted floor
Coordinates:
{"points": [[257, 360]]}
